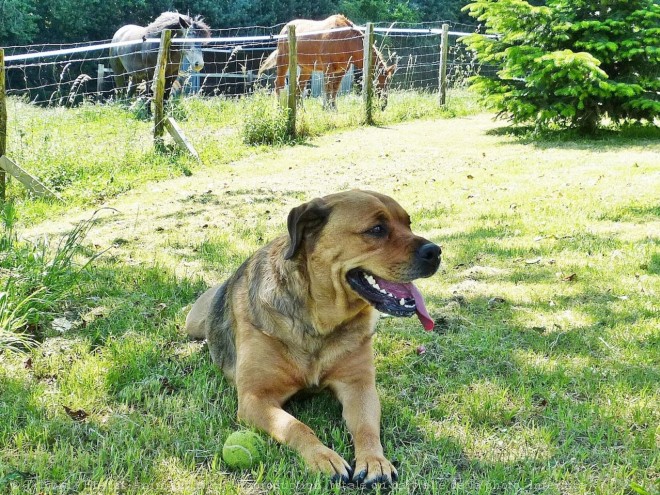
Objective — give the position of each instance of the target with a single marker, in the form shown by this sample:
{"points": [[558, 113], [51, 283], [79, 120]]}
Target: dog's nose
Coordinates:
{"points": [[429, 252]]}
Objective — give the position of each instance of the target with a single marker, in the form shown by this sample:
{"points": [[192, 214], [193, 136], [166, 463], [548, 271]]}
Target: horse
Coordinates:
{"points": [[138, 61], [331, 52]]}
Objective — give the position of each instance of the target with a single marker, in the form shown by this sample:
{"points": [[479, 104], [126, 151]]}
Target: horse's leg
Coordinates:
{"points": [[148, 95], [327, 88], [334, 82], [119, 77], [303, 79], [131, 87], [120, 85], [169, 82]]}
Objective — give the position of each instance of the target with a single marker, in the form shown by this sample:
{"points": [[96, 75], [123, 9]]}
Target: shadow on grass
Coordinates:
{"points": [[602, 140], [485, 377]]}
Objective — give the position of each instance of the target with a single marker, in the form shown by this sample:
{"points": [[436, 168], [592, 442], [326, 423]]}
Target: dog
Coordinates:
{"points": [[301, 314]]}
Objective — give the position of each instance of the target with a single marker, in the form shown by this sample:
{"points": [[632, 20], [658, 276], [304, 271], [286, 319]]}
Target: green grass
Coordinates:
{"points": [[541, 376], [90, 154]]}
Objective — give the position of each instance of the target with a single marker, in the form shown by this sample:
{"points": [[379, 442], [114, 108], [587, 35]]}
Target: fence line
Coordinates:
{"points": [[236, 39], [67, 75]]}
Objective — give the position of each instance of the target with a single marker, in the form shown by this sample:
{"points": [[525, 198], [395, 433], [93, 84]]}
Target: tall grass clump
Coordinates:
{"points": [[265, 121], [35, 278]]}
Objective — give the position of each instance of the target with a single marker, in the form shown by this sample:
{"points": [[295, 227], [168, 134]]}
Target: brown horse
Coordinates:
{"points": [[331, 52], [138, 61]]}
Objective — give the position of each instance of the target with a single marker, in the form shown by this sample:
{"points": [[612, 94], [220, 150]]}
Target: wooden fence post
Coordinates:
{"points": [[6, 165], [293, 81], [442, 76], [3, 124], [368, 74], [159, 91]]}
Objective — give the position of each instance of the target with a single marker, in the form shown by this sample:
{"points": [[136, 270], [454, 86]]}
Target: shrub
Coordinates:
{"points": [[265, 121], [569, 62]]}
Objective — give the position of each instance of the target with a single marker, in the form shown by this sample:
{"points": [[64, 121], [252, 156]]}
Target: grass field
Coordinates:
{"points": [[541, 377], [90, 154]]}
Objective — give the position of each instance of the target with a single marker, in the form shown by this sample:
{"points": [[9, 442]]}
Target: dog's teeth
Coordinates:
{"points": [[376, 286], [402, 302], [383, 291]]}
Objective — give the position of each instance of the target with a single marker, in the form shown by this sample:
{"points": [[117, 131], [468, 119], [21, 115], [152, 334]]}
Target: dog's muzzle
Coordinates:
{"points": [[427, 260]]}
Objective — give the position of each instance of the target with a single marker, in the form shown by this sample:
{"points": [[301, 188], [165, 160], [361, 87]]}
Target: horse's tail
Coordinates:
{"points": [[269, 63]]}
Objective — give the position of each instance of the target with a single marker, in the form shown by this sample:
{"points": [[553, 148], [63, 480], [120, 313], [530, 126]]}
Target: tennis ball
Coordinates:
{"points": [[242, 449]]}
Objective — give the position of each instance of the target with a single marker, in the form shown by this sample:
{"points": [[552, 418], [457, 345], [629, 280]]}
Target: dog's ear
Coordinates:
{"points": [[304, 222]]}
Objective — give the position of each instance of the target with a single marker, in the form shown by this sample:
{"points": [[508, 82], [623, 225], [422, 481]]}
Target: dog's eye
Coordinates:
{"points": [[377, 231]]}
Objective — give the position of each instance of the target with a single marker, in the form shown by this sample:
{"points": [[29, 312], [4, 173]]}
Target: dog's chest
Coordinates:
{"points": [[318, 364]]}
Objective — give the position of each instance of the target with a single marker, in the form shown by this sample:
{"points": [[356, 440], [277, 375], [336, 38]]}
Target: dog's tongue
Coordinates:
{"points": [[422, 312], [409, 290]]}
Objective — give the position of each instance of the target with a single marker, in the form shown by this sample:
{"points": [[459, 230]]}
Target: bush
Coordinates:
{"points": [[265, 120], [569, 62]]}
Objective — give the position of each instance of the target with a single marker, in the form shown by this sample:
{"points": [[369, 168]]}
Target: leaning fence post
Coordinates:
{"points": [[3, 124], [293, 81], [159, 81], [442, 75], [368, 74]]}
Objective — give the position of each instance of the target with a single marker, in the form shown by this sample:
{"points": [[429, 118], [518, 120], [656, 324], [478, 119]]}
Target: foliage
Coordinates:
{"points": [[378, 10], [61, 21], [19, 22], [265, 121], [570, 62]]}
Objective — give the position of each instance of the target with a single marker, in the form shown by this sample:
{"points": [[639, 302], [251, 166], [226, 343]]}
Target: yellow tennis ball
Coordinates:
{"points": [[242, 449]]}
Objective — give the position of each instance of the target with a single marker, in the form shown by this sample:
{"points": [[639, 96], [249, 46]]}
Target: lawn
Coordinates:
{"points": [[541, 376]]}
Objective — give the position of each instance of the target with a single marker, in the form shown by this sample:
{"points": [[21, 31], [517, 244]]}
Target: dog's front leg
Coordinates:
{"points": [[359, 398], [267, 414]]}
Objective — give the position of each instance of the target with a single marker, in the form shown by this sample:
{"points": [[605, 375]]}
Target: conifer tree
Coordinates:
{"points": [[570, 62]]}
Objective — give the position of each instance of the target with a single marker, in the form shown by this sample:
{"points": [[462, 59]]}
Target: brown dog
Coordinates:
{"points": [[301, 314]]}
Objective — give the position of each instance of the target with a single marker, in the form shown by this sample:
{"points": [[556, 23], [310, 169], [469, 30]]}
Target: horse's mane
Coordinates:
{"points": [[346, 19], [171, 20]]}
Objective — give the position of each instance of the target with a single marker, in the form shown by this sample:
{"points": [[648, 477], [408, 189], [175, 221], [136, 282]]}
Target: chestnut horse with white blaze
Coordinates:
{"points": [[332, 52]]}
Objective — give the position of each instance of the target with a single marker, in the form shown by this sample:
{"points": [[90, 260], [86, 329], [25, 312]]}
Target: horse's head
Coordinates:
{"points": [[182, 26], [193, 28], [384, 75]]}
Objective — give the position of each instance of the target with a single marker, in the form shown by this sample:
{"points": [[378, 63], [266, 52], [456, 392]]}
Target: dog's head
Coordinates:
{"points": [[359, 249]]}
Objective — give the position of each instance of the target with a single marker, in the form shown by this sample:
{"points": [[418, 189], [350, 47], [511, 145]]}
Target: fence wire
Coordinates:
{"points": [[69, 74]]}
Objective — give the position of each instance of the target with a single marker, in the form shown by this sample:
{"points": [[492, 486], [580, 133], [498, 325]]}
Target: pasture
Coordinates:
{"points": [[541, 375]]}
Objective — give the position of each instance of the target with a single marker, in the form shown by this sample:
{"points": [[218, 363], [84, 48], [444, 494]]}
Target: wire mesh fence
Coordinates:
{"points": [[224, 78], [70, 74]]}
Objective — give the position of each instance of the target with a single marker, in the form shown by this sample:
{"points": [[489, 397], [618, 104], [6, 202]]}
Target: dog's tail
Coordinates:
{"points": [[269, 63]]}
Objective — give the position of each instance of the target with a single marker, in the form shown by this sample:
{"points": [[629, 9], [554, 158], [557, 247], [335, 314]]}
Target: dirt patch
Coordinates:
{"points": [[374, 157]]}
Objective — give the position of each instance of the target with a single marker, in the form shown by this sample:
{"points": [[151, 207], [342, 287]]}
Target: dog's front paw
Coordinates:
{"points": [[329, 462], [374, 469]]}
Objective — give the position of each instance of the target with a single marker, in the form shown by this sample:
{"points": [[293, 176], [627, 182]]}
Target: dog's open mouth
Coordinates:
{"points": [[393, 298]]}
